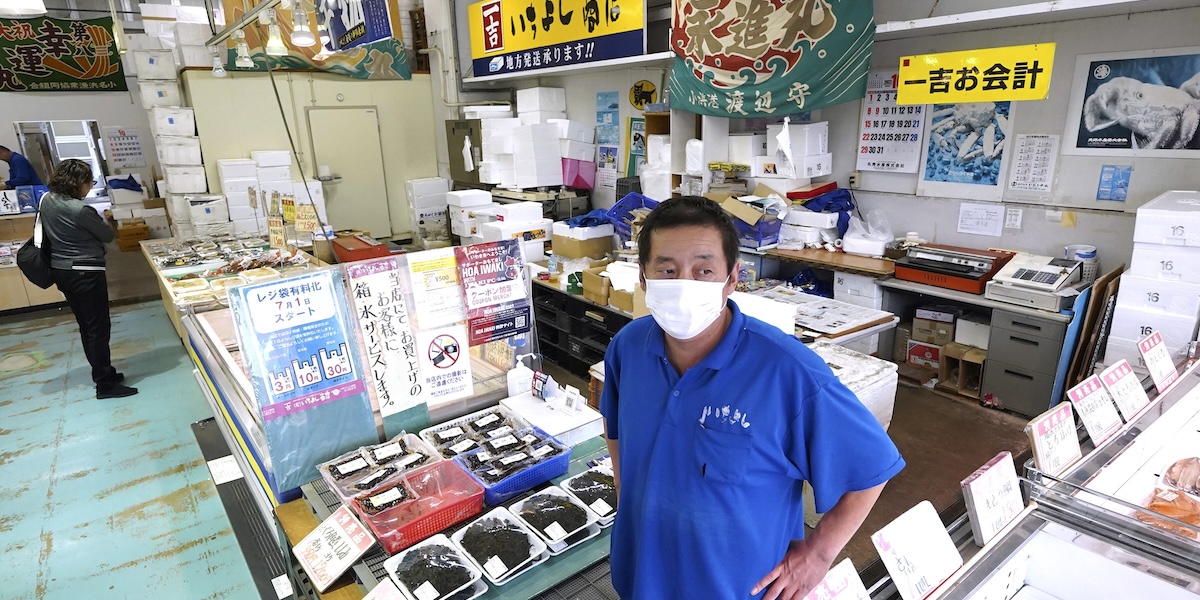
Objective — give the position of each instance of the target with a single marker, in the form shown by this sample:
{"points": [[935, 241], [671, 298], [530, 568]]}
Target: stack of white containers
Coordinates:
{"points": [[578, 149], [539, 156], [466, 210], [239, 183], [427, 211], [498, 166], [1161, 290], [810, 152], [519, 221], [190, 50], [859, 290], [539, 105], [127, 204]]}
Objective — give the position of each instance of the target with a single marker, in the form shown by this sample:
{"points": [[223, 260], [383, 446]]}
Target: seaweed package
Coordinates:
{"points": [[388, 452], [501, 467], [410, 460], [503, 443], [545, 451], [433, 571], [352, 465], [455, 449], [492, 420], [383, 498], [498, 544], [478, 460], [451, 435], [553, 515], [595, 489], [375, 478]]}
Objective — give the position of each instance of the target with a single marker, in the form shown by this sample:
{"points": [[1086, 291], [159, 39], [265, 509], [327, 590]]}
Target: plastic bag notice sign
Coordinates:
{"points": [[332, 547]]}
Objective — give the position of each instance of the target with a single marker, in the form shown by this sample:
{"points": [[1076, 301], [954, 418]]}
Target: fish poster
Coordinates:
{"points": [[1136, 104], [965, 150]]}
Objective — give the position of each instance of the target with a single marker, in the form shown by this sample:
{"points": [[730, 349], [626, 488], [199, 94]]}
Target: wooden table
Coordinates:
{"points": [[836, 261]]}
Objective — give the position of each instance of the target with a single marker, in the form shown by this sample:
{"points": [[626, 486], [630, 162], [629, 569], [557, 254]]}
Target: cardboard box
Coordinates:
{"points": [[621, 300], [129, 245], [925, 356], [572, 248], [972, 330], [961, 369], [155, 203], [943, 313], [133, 230], [932, 332], [596, 287], [639, 303]]}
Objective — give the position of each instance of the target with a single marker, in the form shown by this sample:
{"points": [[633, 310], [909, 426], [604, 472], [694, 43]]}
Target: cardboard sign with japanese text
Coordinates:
{"points": [[1126, 389], [510, 36], [917, 551], [306, 218], [993, 497], [840, 583], [332, 547], [1096, 409], [58, 55], [985, 75], [494, 289], [377, 290], [1055, 444], [1158, 361], [275, 233]]}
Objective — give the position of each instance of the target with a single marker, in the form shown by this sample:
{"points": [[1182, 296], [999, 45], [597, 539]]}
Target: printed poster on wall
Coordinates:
{"points": [[608, 135], [1135, 104], [377, 289], [965, 149], [59, 55], [890, 135], [494, 288], [437, 298], [754, 58], [445, 363], [635, 140]]}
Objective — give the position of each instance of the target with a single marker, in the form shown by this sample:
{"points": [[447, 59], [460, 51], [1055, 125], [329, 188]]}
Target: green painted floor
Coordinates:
{"points": [[107, 498]]}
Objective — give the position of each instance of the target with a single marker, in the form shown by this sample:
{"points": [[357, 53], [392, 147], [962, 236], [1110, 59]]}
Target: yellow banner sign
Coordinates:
{"points": [[986, 75]]}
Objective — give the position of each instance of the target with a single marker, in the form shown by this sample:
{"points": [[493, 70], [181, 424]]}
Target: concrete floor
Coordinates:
{"points": [[107, 498]]}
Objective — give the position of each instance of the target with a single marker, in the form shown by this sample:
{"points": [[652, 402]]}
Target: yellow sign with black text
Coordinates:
{"points": [[985, 75]]}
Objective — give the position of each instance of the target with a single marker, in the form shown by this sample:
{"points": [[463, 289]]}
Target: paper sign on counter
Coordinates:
{"points": [[283, 587], [332, 547], [224, 470], [993, 497], [1095, 408], [840, 583], [445, 363], [1158, 361], [1125, 388], [1055, 444], [981, 219], [917, 551]]}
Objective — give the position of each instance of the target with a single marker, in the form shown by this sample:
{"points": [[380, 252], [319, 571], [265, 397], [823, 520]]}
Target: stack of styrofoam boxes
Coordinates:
{"points": [[538, 156], [464, 207], [578, 149], [209, 214], [239, 183], [190, 49], [1161, 290], [127, 204], [539, 105], [520, 221], [810, 152], [859, 290], [488, 111], [428, 211], [498, 166]]}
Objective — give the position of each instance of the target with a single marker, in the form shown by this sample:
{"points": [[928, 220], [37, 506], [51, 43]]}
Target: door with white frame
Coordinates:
{"points": [[347, 141]]}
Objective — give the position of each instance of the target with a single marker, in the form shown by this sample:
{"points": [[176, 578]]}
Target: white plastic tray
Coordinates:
{"points": [[537, 552], [392, 564], [557, 545], [604, 520]]}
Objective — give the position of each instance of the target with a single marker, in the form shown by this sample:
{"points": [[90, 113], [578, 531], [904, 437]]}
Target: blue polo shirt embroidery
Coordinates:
{"points": [[713, 462]]}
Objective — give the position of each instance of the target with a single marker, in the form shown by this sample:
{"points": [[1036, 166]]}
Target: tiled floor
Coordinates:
{"points": [[107, 498]]}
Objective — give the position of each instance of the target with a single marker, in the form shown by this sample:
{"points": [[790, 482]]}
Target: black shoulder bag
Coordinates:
{"points": [[34, 256]]}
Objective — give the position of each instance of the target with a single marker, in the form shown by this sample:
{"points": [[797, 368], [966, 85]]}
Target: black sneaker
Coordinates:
{"points": [[118, 378], [115, 391]]}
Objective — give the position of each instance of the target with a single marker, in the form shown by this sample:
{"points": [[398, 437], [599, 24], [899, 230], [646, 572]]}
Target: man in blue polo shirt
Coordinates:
{"points": [[714, 420], [20, 171]]}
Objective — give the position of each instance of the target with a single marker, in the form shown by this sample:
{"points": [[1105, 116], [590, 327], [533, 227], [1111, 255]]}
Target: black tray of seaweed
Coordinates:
{"points": [[436, 564], [542, 510], [594, 485], [497, 537]]}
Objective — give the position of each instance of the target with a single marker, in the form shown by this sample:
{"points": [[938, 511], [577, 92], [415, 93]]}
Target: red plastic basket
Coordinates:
{"points": [[445, 495]]}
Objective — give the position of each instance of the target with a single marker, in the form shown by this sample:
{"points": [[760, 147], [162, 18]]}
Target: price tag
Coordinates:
{"points": [[488, 420], [1095, 408], [426, 592], [352, 466], [499, 431], [917, 551], [516, 458], [283, 587], [388, 451], [600, 507], [1055, 445], [502, 443], [288, 206], [495, 567], [1158, 361], [224, 470], [449, 434], [840, 583], [306, 218], [332, 547], [391, 495], [1125, 388], [544, 450], [410, 459], [463, 446], [993, 497], [275, 235], [386, 590], [555, 531]]}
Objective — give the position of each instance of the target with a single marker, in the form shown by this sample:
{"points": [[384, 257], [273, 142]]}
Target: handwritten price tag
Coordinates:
{"points": [[840, 583], [1158, 361], [993, 497], [1126, 389], [306, 218], [1095, 408], [275, 232], [917, 551], [1055, 445], [386, 590], [332, 547]]}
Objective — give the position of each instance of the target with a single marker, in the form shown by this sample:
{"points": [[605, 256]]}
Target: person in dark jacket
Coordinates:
{"points": [[20, 172], [77, 234]]}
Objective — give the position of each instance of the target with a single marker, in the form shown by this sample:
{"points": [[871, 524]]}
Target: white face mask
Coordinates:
{"points": [[685, 307]]}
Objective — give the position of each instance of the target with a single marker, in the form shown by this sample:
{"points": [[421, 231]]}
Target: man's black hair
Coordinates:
{"points": [[689, 211]]}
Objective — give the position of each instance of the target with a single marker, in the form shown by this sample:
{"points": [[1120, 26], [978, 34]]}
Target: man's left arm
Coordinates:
{"points": [[808, 560]]}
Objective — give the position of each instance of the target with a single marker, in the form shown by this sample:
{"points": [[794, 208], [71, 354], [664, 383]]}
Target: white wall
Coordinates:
{"points": [[108, 109]]}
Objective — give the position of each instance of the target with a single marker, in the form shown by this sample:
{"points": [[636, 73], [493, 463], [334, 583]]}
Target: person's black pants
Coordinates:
{"points": [[87, 294]]}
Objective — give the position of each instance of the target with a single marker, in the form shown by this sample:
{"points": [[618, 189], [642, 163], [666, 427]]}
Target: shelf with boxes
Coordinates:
{"points": [[573, 331]]}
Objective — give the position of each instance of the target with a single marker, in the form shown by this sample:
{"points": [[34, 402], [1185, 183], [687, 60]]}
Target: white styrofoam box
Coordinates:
{"points": [[780, 315], [178, 150], [458, 213], [213, 229], [267, 188], [154, 212], [160, 226], [193, 56], [871, 379], [541, 98], [429, 201], [799, 215], [807, 138], [468, 240], [1169, 263], [1120, 348], [178, 208], [534, 250], [1173, 218], [862, 245], [875, 303], [867, 345], [537, 142], [272, 158], [249, 225], [538, 173], [518, 211], [846, 285], [519, 230], [485, 115], [242, 212], [239, 185], [237, 168], [486, 214], [206, 210], [743, 147], [813, 165], [430, 223], [161, 186], [491, 171], [311, 191], [160, 93], [283, 173], [568, 429], [244, 199], [183, 231], [119, 212], [469, 198], [1158, 295], [575, 130], [658, 149], [467, 227], [541, 117], [561, 228], [428, 186], [185, 180], [126, 198], [577, 150], [171, 120], [1132, 323], [192, 34], [492, 125], [155, 64], [499, 141], [973, 330]]}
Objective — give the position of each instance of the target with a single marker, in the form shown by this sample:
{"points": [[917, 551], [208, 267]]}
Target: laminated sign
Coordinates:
{"points": [[987, 75]]}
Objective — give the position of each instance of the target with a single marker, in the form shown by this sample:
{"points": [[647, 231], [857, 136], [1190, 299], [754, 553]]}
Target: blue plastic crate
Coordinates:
{"points": [[524, 480], [620, 211], [762, 235]]}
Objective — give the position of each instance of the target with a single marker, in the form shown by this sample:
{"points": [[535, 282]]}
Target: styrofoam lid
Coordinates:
{"points": [[855, 370], [1173, 201]]}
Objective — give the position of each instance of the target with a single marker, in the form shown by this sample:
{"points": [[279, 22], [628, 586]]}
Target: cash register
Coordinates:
{"points": [[1037, 282], [963, 269]]}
